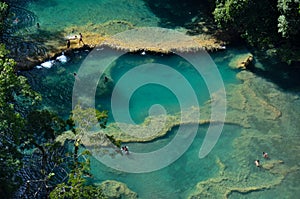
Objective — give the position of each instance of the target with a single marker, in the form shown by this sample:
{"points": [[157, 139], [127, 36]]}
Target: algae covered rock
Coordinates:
{"points": [[115, 190], [242, 61]]}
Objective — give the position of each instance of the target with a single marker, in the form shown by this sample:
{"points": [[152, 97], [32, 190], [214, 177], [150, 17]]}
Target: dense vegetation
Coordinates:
{"points": [[272, 26], [32, 163], [11, 121], [263, 24], [23, 128]]}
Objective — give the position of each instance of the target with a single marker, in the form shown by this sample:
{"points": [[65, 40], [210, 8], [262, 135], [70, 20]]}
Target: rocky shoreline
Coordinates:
{"points": [[31, 51]]}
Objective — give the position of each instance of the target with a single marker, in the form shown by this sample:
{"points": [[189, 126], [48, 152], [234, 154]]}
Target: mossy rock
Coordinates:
{"points": [[117, 190], [242, 61]]}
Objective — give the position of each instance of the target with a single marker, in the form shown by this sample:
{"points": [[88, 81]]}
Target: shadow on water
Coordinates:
{"points": [[33, 47], [26, 41], [24, 3], [283, 75], [174, 13]]}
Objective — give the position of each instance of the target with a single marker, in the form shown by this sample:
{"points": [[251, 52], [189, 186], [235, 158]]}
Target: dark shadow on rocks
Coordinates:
{"points": [[32, 48]]}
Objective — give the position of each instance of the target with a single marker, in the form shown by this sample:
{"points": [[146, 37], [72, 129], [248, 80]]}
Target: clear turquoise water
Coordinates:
{"points": [[179, 178], [58, 96], [176, 180], [147, 95], [58, 14]]}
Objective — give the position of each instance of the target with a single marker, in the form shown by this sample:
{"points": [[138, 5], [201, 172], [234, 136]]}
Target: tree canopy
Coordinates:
{"points": [[15, 93], [263, 23]]}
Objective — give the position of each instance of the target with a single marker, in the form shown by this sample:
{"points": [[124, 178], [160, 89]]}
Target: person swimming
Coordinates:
{"points": [[105, 79], [265, 155], [16, 21], [125, 149], [257, 163]]}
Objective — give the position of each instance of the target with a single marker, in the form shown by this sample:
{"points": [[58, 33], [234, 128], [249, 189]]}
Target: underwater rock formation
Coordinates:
{"points": [[257, 105], [114, 189]]}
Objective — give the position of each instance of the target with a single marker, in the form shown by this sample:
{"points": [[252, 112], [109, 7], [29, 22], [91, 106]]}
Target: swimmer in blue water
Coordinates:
{"points": [[125, 149]]}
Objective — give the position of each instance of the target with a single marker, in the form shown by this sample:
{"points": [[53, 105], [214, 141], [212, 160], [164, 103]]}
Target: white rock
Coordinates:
{"points": [[48, 64], [63, 58]]}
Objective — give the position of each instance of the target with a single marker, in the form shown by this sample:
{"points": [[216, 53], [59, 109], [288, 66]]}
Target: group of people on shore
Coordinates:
{"points": [[264, 155], [75, 38]]}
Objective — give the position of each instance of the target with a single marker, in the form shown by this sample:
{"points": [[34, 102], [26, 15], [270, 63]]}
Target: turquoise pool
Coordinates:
{"points": [[262, 112], [237, 147]]}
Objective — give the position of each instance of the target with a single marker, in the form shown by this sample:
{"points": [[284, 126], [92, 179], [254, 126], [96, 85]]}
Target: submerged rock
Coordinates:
{"points": [[114, 189]]}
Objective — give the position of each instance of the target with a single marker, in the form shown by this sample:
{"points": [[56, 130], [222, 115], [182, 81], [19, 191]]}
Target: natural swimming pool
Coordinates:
{"points": [[230, 165], [264, 112]]}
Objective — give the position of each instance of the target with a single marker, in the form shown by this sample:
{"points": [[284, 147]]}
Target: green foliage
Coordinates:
{"points": [[289, 19], [263, 24], [81, 121], [227, 11], [87, 119], [114, 141], [3, 13], [43, 126], [253, 20], [76, 187], [12, 88]]}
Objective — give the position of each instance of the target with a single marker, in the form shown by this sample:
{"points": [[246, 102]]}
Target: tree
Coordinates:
{"points": [[15, 93], [86, 119], [263, 24], [43, 126], [76, 186], [3, 14], [253, 20], [289, 19]]}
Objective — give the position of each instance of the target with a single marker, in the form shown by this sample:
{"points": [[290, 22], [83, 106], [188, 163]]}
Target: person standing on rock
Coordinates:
{"points": [[80, 39], [68, 43]]}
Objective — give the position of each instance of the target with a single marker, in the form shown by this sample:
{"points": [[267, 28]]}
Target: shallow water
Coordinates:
{"points": [[250, 102], [58, 96], [176, 180], [236, 148], [57, 14]]}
